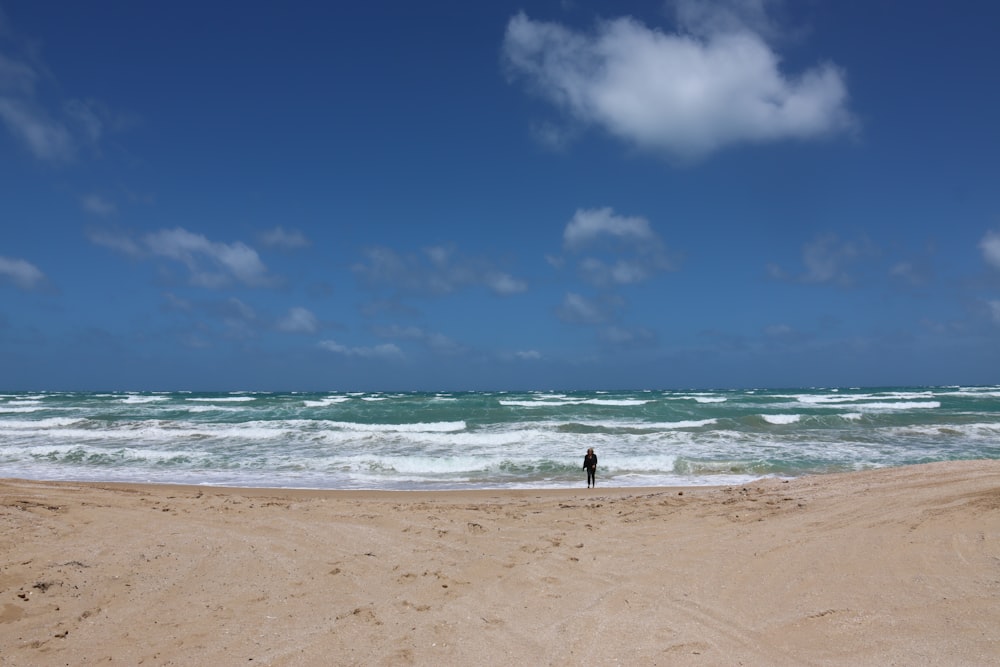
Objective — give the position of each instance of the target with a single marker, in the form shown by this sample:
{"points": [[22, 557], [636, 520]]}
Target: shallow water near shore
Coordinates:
{"points": [[484, 440]]}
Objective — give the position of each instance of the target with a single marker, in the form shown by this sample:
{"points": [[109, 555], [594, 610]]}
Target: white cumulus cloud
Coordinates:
{"points": [[589, 225], [684, 94], [615, 249]]}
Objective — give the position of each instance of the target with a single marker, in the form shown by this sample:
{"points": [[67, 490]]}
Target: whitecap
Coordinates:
{"points": [[136, 400], [902, 405], [538, 404], [781, 420], [224, 399], [624, 402], [326, 402], [423, 427]]}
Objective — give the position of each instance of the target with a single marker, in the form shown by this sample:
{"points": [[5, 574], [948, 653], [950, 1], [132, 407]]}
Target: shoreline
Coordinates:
{"points": [[894, 565], [155, 488]]}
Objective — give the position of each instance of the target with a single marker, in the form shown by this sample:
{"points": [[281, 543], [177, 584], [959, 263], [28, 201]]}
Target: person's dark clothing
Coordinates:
{"points": [[590, 465]]}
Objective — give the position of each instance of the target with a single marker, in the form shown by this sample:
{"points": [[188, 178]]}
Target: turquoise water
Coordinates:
{"points": [[488, 439]]}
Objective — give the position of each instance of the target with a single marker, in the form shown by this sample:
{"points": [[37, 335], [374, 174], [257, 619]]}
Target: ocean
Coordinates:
{"points": [[487, 440]]}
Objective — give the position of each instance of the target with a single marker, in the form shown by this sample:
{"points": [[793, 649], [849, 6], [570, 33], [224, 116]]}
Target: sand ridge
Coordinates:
{"points": [[895, 566]]}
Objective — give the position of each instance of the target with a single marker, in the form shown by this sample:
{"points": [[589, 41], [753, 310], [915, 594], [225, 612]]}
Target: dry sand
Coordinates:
{"points": [[888, 567]]}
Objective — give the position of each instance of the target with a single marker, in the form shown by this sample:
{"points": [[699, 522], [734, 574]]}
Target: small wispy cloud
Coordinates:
{"points": [[622, 337], [299, 320], [914, 273], [283, 239], [88, 116], [172, 302], [993, 309], [778, 331], [46, 138], [98, 205], [118, 241], [21, 273], [210, 264], [239, 318], [990, 247], [50, 131], [387, 351], [436, 270], [215, 318], [578, 309], [714, 83], [437, 342], [827, 260]]}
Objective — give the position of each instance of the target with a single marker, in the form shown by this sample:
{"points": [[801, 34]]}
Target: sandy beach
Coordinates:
{"points": [[897, 566]]}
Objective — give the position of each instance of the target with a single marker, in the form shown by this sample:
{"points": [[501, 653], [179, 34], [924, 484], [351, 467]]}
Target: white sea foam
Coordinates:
{"points": [[636, 425], [690, 423], [326, 402], [5, 408], [38, 424], [962, 432], [436, 427], [902, 405], [699, 397], [538, 404], [137, 400], [222, 399], [781, 419], [659, 463], [549, 403], [823, 399], [971, 393], [855, 397]]}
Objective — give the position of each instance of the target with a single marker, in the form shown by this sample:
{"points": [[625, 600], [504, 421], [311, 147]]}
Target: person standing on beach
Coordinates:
{"points": [[590, 465]]}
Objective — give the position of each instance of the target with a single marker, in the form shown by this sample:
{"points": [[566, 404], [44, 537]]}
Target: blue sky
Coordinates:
{"points": [[463, 195]]}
